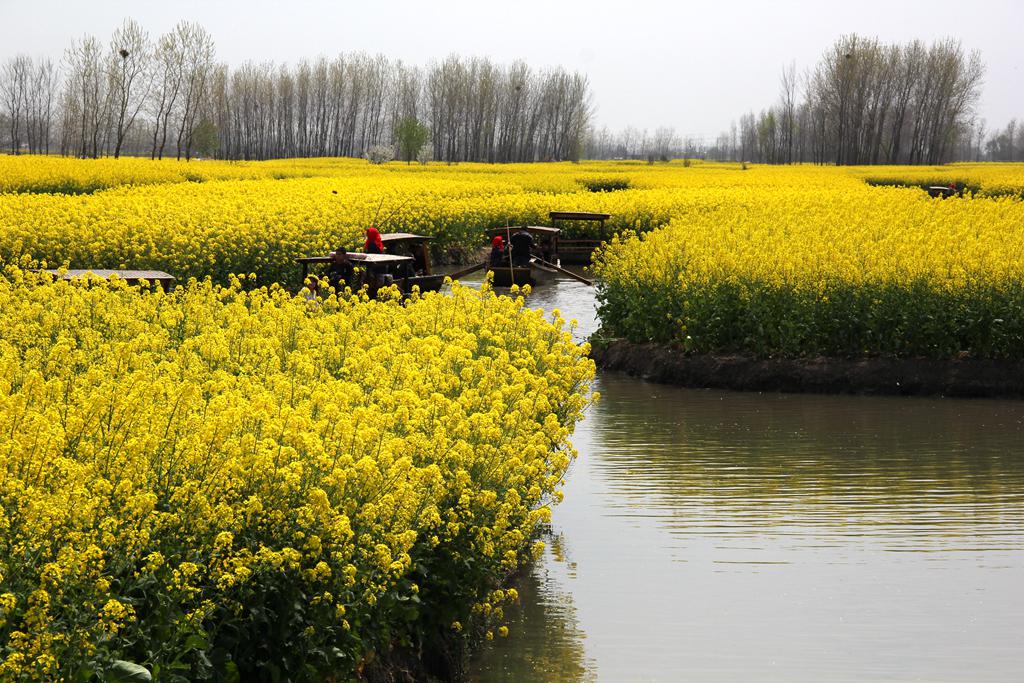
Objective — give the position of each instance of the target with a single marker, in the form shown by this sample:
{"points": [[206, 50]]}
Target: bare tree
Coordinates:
{"points": [[41, 99], [197, 54], [787, 106], [129, 74], [1003, 143], [86, 95], [1011, 129], [979, 142], [14, 91], [664, 143], [167, 75]]}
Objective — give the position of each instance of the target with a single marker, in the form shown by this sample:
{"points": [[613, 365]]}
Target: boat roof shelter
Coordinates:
{"points": [[360, 258], [537, 230], [377, 260], [374, 262], [578, 216], [398, 237], [940, 191]]}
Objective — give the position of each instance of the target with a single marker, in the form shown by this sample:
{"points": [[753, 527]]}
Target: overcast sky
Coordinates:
{"points": [[694, 66]]}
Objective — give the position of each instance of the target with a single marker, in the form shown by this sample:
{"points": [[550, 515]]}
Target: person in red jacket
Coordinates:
{"points": [[373, 244], [498, 255]]}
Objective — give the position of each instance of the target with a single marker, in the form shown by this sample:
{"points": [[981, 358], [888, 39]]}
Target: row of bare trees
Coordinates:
{"points": [[663, 144], [474, 109], [1006, 144], [130, 95], [867, 102], [135, 95], [27, 100]]}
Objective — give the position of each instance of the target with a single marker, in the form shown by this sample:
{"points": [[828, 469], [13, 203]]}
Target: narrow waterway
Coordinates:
{"points": [[720, 536]]}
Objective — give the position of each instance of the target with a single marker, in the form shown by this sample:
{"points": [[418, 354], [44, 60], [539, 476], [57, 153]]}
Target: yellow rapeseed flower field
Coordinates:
{"points": [[227, 477], [213, 218], [225, 480], [844, 270], [767, 260]]}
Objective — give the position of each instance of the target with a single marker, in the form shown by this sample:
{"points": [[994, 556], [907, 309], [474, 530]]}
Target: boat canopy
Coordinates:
{"points": [[539, 230], [578, 216], [398, 237]]}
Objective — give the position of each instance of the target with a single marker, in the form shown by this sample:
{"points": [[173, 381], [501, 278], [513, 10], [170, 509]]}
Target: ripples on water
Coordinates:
{"points": [[725, 536]]}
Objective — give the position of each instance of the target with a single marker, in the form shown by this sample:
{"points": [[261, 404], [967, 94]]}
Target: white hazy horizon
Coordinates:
{"points": [[693, 66]]}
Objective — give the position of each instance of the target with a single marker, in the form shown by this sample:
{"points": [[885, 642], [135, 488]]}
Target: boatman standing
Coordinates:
{"points": [[522, 247]]}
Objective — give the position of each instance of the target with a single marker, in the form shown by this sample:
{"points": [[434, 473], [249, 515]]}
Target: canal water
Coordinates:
{"points": [[726, 536]]}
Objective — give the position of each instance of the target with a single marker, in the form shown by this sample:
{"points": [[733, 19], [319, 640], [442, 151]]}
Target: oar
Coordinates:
{"points": [[373, 221], [508, 240], [467, 271], [393, 212], [571, 274]]}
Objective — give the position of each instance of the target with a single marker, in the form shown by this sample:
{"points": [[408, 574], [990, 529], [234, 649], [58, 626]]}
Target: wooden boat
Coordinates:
{"points": [[418, 248], [406, 263], [545, 239], [506, 276], [542, 260], [580, 251], [159, 277], [552, 247], [545, 245], [373, 270], [533, 274]]}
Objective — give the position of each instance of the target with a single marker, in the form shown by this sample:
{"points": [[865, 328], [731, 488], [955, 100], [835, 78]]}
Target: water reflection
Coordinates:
{"points": [[546, 643], [720, 536], [574, 299], [916, 472]]}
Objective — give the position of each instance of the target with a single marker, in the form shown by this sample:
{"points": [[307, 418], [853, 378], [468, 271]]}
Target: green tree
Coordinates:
{"points": [[205, 138], [411, 135]]}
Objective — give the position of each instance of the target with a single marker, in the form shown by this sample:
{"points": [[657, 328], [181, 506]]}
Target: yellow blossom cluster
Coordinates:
{"points": [[847, 270], [216, 481]]}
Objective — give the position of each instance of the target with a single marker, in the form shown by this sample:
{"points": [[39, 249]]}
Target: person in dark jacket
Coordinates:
{"points": [[522, 247], [340, 271]]}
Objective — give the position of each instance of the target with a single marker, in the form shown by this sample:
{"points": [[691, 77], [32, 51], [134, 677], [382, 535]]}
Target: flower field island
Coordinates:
{"points": [[833, 268], [224, 480]]}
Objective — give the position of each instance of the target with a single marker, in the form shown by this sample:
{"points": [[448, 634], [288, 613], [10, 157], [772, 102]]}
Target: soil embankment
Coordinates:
{"points": [[897, 376]]}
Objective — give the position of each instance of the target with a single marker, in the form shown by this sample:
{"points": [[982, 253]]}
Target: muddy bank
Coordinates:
{"points": [[908, 376]]}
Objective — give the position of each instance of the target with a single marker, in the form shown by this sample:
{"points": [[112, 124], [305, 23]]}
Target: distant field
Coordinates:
{"points": [[213, 218]]}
